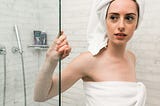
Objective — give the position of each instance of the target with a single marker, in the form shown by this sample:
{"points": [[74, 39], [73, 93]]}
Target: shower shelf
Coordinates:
{"points": [[39, 47]]}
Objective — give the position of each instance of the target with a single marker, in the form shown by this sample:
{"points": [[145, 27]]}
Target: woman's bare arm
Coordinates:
{"points": [[70, 74], [46, 85], [49, 84], [44, 82]]}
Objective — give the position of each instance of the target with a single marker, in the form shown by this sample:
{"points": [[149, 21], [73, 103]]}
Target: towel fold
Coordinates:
{"points": [[96, 31], [115, 93]]}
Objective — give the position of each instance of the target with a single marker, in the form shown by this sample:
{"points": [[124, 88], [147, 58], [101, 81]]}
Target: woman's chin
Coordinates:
{"points": [[120, 42]]}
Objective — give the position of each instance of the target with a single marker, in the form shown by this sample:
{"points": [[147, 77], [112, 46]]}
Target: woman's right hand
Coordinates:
{"points": [[59, 48]]}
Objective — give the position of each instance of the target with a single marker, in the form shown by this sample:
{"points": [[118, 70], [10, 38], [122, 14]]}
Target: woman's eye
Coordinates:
{"points": [[112, 17], [129, 18]]}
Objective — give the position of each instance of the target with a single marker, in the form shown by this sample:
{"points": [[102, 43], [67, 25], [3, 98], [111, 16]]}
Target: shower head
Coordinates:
{"points": [[18, 38]]}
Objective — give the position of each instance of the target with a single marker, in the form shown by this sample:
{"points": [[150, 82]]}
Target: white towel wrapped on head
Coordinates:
{"points": [[96, 31]]}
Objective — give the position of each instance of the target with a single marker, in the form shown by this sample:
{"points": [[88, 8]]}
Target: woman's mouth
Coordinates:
{"points": [[120, 36]]}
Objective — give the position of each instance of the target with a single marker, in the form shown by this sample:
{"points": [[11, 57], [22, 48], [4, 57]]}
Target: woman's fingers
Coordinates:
{"points": [[66, 52], [60, 46], [58, 42], [62, 49], [61, 39], [65, 42], [58, 39], [62, 32]]}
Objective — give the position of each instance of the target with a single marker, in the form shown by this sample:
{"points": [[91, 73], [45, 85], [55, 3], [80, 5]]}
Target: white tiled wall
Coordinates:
{"points": [[32, 15], [29, 15], [146, 45]]}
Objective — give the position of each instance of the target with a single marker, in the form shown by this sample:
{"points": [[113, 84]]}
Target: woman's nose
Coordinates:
{"points": [[121, 26]]}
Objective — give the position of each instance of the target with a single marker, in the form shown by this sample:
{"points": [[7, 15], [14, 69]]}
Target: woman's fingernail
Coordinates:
{"points": [[58, 42]]}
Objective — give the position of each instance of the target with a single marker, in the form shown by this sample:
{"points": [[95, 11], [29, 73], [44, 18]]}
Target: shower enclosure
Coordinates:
{"points": [[20, 59]]}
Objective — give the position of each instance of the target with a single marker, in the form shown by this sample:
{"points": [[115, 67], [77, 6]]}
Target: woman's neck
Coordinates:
{"points": [[117, 51]]}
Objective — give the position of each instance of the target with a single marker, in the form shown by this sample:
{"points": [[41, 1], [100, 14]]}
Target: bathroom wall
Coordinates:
{"points": [[43, 15], [29, 15], [146, 45]]}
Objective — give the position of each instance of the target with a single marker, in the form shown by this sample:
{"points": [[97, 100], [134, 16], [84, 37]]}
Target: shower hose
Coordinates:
{"points": [[22, 60], [3, 52], [24, 81], [4, 89]]}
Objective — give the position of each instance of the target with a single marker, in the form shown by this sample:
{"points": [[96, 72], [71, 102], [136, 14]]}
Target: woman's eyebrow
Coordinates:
{"points": [[114, 13], [131, 14], [118, 13]]}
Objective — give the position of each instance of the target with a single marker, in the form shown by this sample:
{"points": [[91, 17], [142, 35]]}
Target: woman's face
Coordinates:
{"points": [[121, 21]]}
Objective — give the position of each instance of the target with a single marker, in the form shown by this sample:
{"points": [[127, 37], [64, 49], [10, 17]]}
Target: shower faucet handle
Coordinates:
{"points": [[2, 50], [15, 50]]}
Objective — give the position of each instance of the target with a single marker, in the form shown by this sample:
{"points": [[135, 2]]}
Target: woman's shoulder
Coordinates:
{"points": [[83, 60], [86, 57], [131, 56], [86, 54], [131, 53]]}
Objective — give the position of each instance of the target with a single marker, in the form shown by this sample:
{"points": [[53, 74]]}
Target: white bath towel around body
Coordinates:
{"points": [[115, 93]]}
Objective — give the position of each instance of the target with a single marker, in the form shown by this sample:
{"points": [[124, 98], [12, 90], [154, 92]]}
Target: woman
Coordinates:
{"points": [[108, 70]]}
